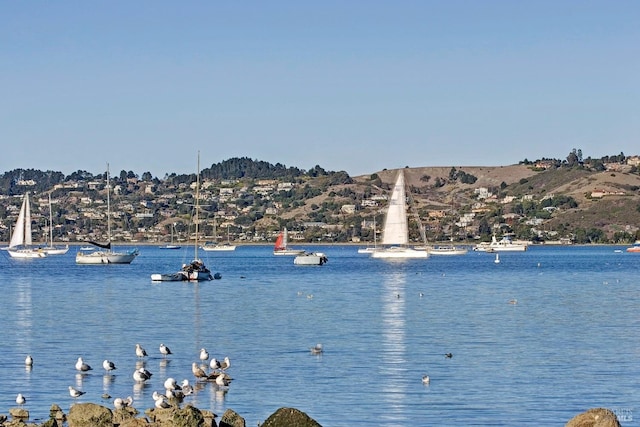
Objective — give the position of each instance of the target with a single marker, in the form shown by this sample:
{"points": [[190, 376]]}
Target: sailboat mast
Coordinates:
{"points": [[197, 206], [108, 205], [50, 223]]}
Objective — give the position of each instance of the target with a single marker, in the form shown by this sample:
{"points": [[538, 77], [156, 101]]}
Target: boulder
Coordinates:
{"points": [[595, 417], [230, 418], [287, 417], [19, 413], [124, 414], [89, 415], [135, 422]]}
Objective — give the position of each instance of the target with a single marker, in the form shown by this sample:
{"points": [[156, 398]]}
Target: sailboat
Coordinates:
{"points": [[370, 249], [395, 234], [51, 249], [281, 247], [21, 240], [216, 246], [106, 256], [195, 271], [171, 245]]}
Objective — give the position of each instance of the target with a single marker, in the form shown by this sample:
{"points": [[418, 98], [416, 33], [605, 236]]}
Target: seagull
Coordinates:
{"points": [[140, 352], [204, 354], [20, 400], [224, 365], [141, 375], [159, 400], [187, 389], [165, 350], [198, 372], [28, 361], [171, 384], [426, 379], [223, 380], [120, 403], [75, 393], [108, 365], [81, 366], [215, 364], [317, 349]]}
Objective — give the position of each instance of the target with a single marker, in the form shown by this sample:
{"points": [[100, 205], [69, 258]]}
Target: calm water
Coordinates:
{"points": [[572, 341]]}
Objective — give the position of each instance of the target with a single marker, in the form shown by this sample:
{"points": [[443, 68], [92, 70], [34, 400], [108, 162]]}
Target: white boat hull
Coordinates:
{"points": [[315, 258], [399, 253], [103, 257], [447, 251], [218, 247], [56, 251], [289, 252], [26, 253]]}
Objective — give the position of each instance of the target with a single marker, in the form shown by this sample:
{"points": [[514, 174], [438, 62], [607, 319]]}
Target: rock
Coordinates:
{"points": [[19, 413], [89, 415], [595, 417], [124, 414], [231, 419], [287, 417], [189, 416], [135, 422]]}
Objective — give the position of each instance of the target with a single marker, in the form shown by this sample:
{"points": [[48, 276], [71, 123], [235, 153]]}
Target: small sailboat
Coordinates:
{"points": [[106, 256], [171, 245], [215, 246], [196, 270], [395, 234], [51, 249], [20, 245], [282, 248]]}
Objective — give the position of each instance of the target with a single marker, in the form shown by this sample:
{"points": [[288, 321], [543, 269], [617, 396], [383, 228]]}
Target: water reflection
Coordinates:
{"points": [[394, 341]]}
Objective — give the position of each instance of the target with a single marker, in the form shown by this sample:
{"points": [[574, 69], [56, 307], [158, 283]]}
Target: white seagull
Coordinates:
{"points": [[75, 393], [20, 400], [187, 389], [140, 352], [141, 375], [165, 350], [81, 366], [223, 380], [215, 364], [120, 403], [108, 365], [171, 384], [204, 354], [317, 349], [28, 361], [426, 379]]}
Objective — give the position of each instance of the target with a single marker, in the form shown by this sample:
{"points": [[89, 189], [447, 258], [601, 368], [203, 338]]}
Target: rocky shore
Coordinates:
{"points": [[94, 415]]}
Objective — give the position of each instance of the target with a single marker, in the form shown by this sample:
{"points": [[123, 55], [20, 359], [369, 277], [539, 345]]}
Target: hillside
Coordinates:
{"points": [[585, 204]]}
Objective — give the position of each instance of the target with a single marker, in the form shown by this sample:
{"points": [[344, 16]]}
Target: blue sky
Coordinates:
{"points": [[358, 86]]}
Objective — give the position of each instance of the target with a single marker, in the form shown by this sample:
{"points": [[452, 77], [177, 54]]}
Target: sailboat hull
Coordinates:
{"points": [[399, 252], [104, 257], [26, 253], [216, 247], [56, 251]]}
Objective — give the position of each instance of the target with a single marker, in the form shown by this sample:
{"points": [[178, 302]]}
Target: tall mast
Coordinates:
{"points": [[108, 206], [197, 205]]}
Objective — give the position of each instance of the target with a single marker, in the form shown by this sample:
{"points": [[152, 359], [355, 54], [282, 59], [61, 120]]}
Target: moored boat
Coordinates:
{"points": [[310, 258], [635, 247], [503, 245]]}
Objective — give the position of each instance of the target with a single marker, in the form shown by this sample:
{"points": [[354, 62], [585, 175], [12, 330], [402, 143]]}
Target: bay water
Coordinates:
{"points": [[535, 339]]}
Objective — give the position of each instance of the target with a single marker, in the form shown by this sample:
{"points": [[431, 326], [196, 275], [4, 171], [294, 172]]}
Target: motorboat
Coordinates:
{"points": [[503, 245], [310, 258]]}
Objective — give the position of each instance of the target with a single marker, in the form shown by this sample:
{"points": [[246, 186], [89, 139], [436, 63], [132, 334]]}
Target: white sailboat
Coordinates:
{"points": [[106, 256], [171, 245], [195, 271], [21, 240], [281, 246], [215, 246], [51, 249], [395, 234]]}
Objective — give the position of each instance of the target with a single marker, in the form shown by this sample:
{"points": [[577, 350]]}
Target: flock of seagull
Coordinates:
{"points": [[208, 370]]}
